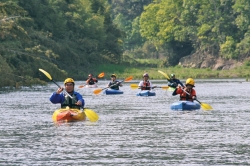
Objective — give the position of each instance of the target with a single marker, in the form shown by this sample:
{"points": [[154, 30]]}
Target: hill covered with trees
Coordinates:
{"points": [[71, 37]]}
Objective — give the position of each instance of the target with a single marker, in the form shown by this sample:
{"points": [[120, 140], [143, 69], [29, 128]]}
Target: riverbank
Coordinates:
{"points": [[123, 71]]}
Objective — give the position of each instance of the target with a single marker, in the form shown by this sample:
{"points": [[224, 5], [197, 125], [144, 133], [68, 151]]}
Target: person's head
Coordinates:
{"points": [[90, 75], [190, 83], [172, 76], [69, 84], [113, 76], [145, 76]]}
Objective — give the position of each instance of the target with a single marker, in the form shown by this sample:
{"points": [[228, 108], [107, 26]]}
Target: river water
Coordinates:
{"points": [[132, 130]]}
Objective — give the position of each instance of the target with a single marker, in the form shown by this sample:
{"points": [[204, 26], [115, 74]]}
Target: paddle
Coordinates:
{"points": [[97, 91], [135, 86], [93, 117], [99, 76], [204, 106]]}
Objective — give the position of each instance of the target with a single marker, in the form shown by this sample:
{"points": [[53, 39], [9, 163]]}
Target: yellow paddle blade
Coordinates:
{"points": [[206, 106], [134, 86], [97, 91], [46, 73], [164, 74], [101, 75], [93, 117], [165, 87], [128, 79]]}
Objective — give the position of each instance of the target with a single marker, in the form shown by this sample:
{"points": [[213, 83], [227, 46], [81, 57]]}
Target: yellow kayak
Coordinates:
{"points": [[68, 115]]}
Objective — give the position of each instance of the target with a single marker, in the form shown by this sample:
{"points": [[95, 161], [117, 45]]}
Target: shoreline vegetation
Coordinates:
{"points": [[123, 71], [180, 72]]}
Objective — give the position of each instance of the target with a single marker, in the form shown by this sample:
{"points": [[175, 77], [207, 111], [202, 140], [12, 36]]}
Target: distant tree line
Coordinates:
{"points": [[69, 37]]}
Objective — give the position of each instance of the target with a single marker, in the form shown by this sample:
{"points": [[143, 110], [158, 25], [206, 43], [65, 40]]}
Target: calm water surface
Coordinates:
{"points": [[131, 130]]}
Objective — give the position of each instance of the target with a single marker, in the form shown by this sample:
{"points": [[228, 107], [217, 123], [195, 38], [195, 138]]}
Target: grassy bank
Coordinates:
{"points": [[123, 71]]}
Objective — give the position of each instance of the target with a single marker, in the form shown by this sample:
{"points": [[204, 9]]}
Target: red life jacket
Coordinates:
{"points": [[186, 97], [146, 86]]}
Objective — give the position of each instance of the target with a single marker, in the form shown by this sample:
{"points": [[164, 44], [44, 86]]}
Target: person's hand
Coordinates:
{"points": [[59, 90], [194, 98], [78, 102], [179, 86]]}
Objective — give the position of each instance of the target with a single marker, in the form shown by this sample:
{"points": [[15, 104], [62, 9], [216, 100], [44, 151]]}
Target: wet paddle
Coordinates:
{"points": [[204, 106], [97, 91], [99, 76], [135, 86], [93, 117]]}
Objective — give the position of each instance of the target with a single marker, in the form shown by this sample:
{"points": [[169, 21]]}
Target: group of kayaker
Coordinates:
{"points": [[75, 100]]}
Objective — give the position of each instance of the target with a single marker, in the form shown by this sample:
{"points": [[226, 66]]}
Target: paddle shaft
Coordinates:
{"points": [[189, 95], [66, 92], [112, 85]]}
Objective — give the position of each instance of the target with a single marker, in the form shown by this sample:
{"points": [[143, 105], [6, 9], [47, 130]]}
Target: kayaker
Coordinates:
{"points": [[174, 82], [114, 84], [59, 97], [187, 93], [146, 84], [91, 80]]}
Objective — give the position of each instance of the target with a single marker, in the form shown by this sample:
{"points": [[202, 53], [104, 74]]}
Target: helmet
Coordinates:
{"points": [[113, 75], [69, 80], [90, 75], [145, 75], [190, 81], [172, 75]]}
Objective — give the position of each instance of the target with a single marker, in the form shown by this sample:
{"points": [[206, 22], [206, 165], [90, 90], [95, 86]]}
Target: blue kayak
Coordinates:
{"points": [[112, 92], [146, 93], [185, 106]]}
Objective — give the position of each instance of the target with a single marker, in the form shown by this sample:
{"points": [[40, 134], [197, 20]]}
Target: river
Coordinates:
{"points": [[132, 130]]}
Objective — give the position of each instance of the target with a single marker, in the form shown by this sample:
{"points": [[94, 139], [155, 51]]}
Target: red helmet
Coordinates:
{"points": [[145, 75]]}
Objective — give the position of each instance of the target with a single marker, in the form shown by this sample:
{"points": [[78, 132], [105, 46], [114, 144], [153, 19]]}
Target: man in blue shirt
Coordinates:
{"points": [[59, 97]]}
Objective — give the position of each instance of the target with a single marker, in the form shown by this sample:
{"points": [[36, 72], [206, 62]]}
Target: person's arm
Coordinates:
{"points": [[193, 93], [109, 84], [80, 101], [179, 82], [140, 85], [95, 80], [57, 98], [179, 90], [87, 82]]}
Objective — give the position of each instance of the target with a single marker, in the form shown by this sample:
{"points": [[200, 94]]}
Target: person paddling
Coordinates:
{"points": [[114, 84], [146, 84], [187, 93], [76, 101], [174, 82], [91, 80]]}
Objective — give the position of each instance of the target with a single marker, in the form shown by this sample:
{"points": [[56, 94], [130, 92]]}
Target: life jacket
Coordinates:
{"points": [[146, 85], [186, 97], [70, 102], [113, 85], [91, 81]]}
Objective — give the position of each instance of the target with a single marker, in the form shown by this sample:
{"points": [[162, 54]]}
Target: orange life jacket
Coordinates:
{"points": [[185, 96]]}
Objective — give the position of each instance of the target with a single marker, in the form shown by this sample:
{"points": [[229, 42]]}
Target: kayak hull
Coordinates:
{"points": [[146, 93], [112, 92], [185, 106], [68, 115]]}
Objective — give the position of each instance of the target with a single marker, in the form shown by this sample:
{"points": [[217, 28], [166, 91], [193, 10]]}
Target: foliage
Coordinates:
{"points": [[63, 37]]}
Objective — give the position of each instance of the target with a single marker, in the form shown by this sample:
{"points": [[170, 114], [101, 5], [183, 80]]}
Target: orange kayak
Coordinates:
{"points": [[68, 115]]}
